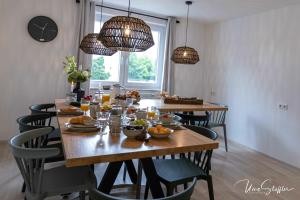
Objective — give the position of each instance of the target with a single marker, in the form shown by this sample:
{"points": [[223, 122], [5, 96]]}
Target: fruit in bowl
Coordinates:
{"points": [[140, 122], [106, 107], [160, 131]]}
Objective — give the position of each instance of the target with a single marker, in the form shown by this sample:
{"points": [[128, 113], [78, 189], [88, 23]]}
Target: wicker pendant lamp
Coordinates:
{"points": [[125, 33], [91, 45], [185, 55]]}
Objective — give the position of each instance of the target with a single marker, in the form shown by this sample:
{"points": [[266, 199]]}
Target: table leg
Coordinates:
{"points": [[110, 176], [131, 171], [152, 178], [139, 180]]}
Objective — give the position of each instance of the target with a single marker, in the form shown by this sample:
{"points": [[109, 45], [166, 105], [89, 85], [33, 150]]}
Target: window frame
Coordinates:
{"points": [[124, 61]]}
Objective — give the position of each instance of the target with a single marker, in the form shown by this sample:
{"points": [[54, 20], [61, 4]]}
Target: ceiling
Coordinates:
{"points": [[203, 10]]}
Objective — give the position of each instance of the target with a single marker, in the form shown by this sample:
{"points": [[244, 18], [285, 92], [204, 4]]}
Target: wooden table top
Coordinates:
{"points": [[159, 104], [82, 149]]}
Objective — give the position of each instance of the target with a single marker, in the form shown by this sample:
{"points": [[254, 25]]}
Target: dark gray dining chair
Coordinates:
{"points": [[184, 195], [217, 119], [47, 108], [178, 171], [40, 182]]}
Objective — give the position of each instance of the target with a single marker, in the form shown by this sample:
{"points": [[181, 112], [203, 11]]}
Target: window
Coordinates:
{"points": [[141, 70]]}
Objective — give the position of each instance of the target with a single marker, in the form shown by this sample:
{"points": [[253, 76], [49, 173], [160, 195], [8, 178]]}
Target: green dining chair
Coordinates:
{"points": [[184, 195], [180, 171], [41, 182]]}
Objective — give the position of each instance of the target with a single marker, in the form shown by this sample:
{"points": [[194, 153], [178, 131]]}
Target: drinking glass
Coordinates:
{"points": [[105, 98], [85, 106], [103, 119], [151, 112]]}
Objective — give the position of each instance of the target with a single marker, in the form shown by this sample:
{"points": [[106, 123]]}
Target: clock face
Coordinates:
{"points": [[42, 29]]}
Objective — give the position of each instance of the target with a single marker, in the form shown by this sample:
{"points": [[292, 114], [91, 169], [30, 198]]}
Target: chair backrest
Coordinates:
{"points": [[191, 119], [184, 195], [43, 108], [218, 116], [201, 158], [30, 157], [30, 122]]}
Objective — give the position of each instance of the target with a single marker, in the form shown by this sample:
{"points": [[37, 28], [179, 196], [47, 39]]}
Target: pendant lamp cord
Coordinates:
{"points": [[101, 14], [187, 25], [128, 8]]}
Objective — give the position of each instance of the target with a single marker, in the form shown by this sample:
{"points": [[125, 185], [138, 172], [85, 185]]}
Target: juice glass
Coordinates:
{"points": [[85, 106], [105, 98], [151, 113]]}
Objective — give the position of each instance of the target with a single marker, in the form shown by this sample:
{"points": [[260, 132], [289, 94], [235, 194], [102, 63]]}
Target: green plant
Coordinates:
{"points": [[98, 69], [74, 74]]}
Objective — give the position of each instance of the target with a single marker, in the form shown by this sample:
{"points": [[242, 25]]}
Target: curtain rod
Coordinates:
{"points": [[118, 9]]}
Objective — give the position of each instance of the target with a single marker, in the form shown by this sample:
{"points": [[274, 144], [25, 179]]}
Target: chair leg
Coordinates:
{"points": [[23, 187], [210, 188], [124, 173], [225, 137], [170, 190], [146, 190], [82, 195]]}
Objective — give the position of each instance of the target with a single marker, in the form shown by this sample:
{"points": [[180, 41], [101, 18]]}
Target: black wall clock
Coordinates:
{"points": [[42, 29]]}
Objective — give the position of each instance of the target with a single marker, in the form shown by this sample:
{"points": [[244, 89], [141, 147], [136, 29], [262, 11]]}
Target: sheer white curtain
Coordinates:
{"points": [[87, 20], [168, 76]]}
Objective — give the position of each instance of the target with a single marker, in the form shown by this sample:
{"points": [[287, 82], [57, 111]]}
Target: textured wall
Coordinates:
{"points": [[32, 72], [189, 76], [253, 64]]}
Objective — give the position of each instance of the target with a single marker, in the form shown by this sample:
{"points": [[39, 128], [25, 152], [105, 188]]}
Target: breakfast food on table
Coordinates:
{"points": [[131, 110], [159, 129], [166, 118], [134, 94], [80, 119], [106, 107], [69, 109], [140, 122]]}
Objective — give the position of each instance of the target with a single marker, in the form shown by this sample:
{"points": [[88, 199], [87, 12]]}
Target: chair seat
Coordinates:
{"points": [[54, 135], [212, 125], [60, 180], [177, 171]]}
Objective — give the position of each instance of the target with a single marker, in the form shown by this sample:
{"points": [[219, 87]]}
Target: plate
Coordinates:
{"points": [[82, 128], [161, 136]]}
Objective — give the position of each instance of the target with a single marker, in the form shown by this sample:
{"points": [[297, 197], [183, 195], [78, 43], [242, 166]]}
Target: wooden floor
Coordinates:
{"points": [[227, 168]]}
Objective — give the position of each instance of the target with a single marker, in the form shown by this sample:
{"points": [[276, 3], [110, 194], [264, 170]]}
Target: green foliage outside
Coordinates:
{"points": [[139, 69], [98, 69]]}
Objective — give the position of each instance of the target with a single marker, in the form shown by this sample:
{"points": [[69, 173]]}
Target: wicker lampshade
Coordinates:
{"points": [[185, 55], [91, 45], [125, 33]]}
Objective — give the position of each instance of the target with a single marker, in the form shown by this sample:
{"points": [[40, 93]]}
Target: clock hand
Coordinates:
{"points": [[45, 26], [38, 26]]}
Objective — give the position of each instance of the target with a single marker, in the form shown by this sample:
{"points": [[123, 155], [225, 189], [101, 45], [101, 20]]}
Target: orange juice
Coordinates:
{"points": [[151, 114], [84, 107], [105, 98]]}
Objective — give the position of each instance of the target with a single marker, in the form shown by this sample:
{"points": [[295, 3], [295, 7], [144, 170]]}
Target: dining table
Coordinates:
{"points": [[88, 148], [164, 107]]}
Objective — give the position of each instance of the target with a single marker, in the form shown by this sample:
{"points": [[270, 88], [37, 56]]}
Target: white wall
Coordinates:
{"points": [[189, 76], [253, 64], [32, 72]]}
